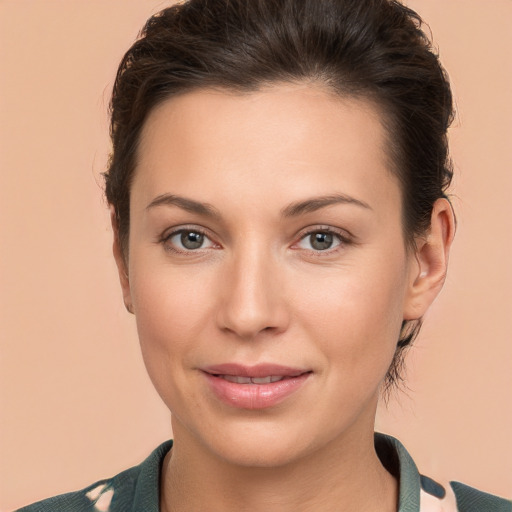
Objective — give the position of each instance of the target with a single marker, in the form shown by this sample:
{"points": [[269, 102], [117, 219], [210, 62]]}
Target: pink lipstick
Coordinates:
{"points": [[254, 387]]}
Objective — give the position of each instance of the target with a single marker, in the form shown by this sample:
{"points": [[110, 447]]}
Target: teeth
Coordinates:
{"points": [[252, 380], [261, 380], [236, 379], [266, 380]]}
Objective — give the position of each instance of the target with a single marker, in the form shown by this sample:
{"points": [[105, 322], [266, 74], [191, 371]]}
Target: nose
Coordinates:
{"points": [[252, 297]]}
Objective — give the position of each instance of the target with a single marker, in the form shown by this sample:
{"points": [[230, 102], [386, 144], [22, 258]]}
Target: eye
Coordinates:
{"points": [[320, 241], [188, 240]]}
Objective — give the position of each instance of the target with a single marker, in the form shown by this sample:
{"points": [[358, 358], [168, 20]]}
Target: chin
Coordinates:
{"points": [[262, 453], [251, 442], [269, 443]]}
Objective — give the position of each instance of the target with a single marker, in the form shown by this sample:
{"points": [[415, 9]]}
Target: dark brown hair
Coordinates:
{"points": [[373, 49]]}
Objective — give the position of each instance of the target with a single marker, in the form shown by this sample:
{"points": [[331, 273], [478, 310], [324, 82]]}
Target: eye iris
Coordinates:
{"points": [[321, 241], [192, 240]]}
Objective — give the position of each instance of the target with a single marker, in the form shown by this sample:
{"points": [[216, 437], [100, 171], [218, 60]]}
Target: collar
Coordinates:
{"points": [[391, 452]]}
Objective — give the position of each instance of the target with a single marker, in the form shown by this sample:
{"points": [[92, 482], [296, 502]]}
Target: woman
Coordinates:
{"points": [[278, 196]]}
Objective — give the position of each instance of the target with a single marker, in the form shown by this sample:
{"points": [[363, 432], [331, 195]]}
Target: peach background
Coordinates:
{"points": [[76, 404]]}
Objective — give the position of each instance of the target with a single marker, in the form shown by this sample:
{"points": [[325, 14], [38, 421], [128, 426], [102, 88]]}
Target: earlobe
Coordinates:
{"points": [[121, 262], [427, 274]]}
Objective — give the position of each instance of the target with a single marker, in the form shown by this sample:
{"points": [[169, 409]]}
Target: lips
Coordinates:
{"points": [[254, 387], [252, 380]]}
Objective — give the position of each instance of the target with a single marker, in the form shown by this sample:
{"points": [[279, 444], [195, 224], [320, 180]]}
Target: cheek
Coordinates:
{"points": [[165, 311], [172, 311], [171, 302], [355, 315]]}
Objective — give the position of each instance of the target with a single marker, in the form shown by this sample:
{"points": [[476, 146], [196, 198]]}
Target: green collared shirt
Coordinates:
{"points": [[137, 489]]}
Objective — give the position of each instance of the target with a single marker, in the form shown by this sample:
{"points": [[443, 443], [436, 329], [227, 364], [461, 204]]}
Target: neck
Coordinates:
{"points": [[345, 475]]}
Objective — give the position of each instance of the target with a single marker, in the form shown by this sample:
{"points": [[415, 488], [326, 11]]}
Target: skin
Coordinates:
{"points": [[257, 290]]}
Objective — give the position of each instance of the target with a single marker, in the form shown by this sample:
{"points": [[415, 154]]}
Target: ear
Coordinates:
{"points": [[122, 267], [428, 272]]}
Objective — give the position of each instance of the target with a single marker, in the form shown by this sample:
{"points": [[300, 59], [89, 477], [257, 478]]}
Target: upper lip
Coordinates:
{"points": [[258, 370]]}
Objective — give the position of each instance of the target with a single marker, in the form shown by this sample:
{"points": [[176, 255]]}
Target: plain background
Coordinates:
{"points": [[76, 403]]}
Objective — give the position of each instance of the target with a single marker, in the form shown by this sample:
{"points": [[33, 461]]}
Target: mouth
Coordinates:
{"points": [[259, 371], [254, 387], [251, 380]]}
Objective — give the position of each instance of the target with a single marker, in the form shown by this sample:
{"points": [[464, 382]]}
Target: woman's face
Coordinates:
{"points": [[267, 268]]}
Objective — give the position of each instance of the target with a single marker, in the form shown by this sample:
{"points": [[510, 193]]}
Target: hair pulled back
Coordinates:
{"points": [[371, 49]]}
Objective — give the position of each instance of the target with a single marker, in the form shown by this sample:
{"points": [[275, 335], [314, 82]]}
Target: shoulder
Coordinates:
{"points": [[473, 500], [457, 497], [136, 488], [419, 493], [96, 497]]}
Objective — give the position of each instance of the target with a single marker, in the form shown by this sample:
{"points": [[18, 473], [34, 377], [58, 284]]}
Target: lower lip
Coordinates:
{"points": [[255, 396]]}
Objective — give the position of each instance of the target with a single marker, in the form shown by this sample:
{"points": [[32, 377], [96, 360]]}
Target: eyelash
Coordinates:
{"points": [[166, 237], [342, 238]]}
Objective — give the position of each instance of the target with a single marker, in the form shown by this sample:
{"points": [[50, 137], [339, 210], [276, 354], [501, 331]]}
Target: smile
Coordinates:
{"points": [[254, 387], [252, 380]]}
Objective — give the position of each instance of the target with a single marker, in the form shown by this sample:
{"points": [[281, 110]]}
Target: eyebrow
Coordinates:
{"points": [[204, 209], [292, 210], [316, 203]]}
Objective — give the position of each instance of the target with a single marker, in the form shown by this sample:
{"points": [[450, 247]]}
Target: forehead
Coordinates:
{"points": [[295, 138]]}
